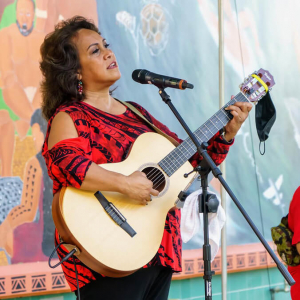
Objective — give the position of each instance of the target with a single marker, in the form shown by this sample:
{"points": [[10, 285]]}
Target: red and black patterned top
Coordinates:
{"points": [[106, 138]]}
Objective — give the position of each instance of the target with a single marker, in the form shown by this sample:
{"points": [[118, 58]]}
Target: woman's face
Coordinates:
{"points": [[99, 68]]}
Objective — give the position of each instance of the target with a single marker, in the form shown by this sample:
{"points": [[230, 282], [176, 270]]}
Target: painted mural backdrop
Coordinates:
{"points": [[177, 38]]}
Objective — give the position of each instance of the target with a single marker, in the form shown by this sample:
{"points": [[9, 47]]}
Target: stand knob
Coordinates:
{"points": [[212, 203]]}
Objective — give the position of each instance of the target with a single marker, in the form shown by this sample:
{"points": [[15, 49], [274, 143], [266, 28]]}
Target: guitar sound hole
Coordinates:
{"points": [[156, 176]]}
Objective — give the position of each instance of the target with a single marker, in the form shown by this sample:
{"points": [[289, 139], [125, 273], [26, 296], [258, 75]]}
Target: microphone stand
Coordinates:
{"points": [[208, 203]]}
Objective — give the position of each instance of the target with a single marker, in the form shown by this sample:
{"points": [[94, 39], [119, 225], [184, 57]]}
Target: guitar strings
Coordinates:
{"points": [[154, 177], [171, 164], [150, 173], [171, 161], [159, 183]]}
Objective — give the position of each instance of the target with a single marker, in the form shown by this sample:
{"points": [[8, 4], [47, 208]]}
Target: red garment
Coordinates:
{"points": [[294, 225], [106, 138]]}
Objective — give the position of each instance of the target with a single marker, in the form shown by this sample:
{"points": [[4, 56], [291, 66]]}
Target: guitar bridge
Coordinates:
{"points": [[115, 214]]}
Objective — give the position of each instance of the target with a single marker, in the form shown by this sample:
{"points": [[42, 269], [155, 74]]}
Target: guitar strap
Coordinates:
{"points": [[137, 112]]}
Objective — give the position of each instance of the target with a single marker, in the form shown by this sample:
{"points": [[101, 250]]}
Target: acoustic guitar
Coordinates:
{"points": [[115, 236]]}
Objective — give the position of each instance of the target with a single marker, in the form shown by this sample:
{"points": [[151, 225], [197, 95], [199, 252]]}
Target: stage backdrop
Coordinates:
{"points": [[176, 38]]}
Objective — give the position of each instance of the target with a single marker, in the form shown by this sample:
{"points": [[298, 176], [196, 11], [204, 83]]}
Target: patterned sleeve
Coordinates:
{"points": [[69, 160], [218, 147]]}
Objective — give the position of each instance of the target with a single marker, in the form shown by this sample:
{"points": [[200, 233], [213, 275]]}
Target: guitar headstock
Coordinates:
{"points": [[253, 89]]}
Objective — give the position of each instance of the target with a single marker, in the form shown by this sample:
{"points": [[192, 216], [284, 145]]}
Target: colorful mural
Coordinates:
{"points": [[166, 37]]}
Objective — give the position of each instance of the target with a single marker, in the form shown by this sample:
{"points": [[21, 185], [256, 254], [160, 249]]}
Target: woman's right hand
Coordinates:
{"points": [[139, 188]]}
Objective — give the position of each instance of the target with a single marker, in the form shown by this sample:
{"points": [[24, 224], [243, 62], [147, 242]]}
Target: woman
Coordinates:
{"points": [[294, 226], [88, 127]]}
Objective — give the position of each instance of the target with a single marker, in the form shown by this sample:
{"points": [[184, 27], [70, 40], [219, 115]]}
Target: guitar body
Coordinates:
{"points": [[104, 246]]}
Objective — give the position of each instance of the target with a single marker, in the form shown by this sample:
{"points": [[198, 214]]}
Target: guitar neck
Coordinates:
{"points": [[181, 154]]}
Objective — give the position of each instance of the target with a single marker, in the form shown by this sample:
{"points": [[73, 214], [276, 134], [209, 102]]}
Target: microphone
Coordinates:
{"points": [[161, 81]]}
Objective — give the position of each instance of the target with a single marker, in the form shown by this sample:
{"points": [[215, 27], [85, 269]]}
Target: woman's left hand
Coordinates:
{"points": [[240, 112]]}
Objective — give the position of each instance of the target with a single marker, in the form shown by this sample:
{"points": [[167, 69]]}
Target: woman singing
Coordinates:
{"points": [[87, 127]]}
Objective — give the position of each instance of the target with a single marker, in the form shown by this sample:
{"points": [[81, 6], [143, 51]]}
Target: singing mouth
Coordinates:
{"points": [[112, 65]]}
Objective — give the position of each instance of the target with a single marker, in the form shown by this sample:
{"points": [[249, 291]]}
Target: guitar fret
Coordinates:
{"points": [[225, 114], [216, 115], [214, 121], [213, 124], [169, 163], [171, 158], [183, 154], [176, 158], [162, 164], [199, 138], [193, 149], [205, 135]]}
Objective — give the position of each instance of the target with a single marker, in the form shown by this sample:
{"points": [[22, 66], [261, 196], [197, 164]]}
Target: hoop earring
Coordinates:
{"points": [[79, 87]]}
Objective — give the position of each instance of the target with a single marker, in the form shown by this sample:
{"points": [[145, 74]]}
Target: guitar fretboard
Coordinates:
{"points": [[176, 158]]}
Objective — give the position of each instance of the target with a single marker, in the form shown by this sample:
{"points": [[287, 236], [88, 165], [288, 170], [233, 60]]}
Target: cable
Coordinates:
{"points": [[71, 253], [52, 254], [253, 153]]}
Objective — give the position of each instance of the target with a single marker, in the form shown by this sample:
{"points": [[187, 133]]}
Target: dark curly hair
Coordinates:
{"points": [[60, 64]]}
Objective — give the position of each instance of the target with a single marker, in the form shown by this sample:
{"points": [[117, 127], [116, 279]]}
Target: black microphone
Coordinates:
{"points": [[161, 81]]}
